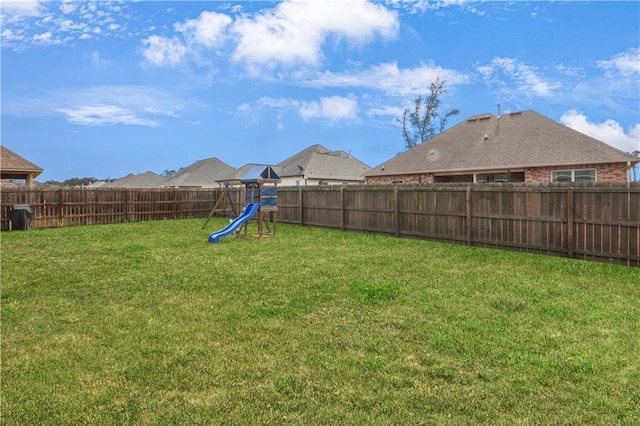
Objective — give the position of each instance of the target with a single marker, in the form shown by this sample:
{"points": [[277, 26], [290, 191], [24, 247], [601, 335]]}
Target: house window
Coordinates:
{"points": [[492, 178], [453, 179], [584, 175]]}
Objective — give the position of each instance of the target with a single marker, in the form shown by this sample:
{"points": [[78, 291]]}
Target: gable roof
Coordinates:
{"points": [[511, 141], [260, 174], [297, 163], [13, 166], [317, 162], [202, 173], [143, 180], [234, 176]]}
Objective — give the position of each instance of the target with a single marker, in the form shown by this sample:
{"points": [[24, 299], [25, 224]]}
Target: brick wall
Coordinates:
{"points": [[612, 172]]}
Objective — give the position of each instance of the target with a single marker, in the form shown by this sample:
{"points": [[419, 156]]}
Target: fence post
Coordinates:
{"points": [[60, 212], [342, 224], [570, 218], [396, 210], [468, 224], [125, 207], [175, 203], [301, 221]]}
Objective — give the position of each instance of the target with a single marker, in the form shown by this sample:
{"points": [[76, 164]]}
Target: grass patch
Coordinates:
{"points": [[148, 323]]}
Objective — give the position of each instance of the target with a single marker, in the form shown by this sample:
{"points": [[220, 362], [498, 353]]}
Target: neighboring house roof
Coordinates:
{"points": [[202, 173], [510, 141], [317, 162], [13, 166], [143, 180]]}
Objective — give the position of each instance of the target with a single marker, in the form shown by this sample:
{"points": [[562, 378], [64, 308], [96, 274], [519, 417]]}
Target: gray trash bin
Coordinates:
{"points": [[20, 216]]}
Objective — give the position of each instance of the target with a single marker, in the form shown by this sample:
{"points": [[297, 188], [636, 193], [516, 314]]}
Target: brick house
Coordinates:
{"points": [[516, 147]]}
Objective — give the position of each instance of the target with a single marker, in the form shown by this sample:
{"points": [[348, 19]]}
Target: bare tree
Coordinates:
{"points": [[424, 122]]}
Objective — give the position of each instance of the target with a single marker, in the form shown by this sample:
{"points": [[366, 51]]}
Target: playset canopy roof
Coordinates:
{"points": [[261, 174]]}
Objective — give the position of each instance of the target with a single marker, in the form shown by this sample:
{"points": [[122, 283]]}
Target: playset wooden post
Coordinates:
{"points": [[261, 186], [224, 198]]}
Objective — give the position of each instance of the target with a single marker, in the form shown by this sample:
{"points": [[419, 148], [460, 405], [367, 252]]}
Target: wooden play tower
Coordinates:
{"points": [[261, 187]]}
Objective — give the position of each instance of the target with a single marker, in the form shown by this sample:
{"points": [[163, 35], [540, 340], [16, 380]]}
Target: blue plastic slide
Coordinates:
{"points": [[249, 211]]}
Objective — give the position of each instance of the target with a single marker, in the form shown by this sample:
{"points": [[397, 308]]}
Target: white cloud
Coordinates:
{"points": [[94, 115], [44, 38], [99, 105], [97, 60], [66, 21], [68, 6], [333, 108], [389, 78], [291, 33], [387, 111], [294, 31], [422, 6], [8, 35], [525, 77], [207, 30], [17, 9], [162, 51], [610, 131], [330, 108], [627, 63], [277, 103]]}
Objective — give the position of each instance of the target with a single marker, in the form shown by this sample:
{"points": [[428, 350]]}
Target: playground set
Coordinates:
{"points": [[261, 201]]}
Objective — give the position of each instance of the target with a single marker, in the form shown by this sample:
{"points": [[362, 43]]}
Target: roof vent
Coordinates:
{"points": [[486, 137]]}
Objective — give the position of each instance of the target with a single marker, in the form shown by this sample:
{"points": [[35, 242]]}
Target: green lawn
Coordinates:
{"points": [[148, 323]]}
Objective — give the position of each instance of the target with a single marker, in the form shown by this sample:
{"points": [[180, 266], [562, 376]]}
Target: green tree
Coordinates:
{"points": [[167, 173], [425, 121]]}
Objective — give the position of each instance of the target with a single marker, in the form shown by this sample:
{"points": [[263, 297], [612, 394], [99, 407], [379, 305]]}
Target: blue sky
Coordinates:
{"points": [[102, 89]]}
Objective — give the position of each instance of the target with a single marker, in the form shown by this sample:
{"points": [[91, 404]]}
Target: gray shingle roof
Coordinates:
{"points": [[202, 173], [317, 162], [143, 180], [511, 141], [297, 163]]}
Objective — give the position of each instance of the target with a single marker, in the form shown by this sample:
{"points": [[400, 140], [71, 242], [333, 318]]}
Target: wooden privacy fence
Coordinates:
{"points": [[593, 223], [82, 206]]}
